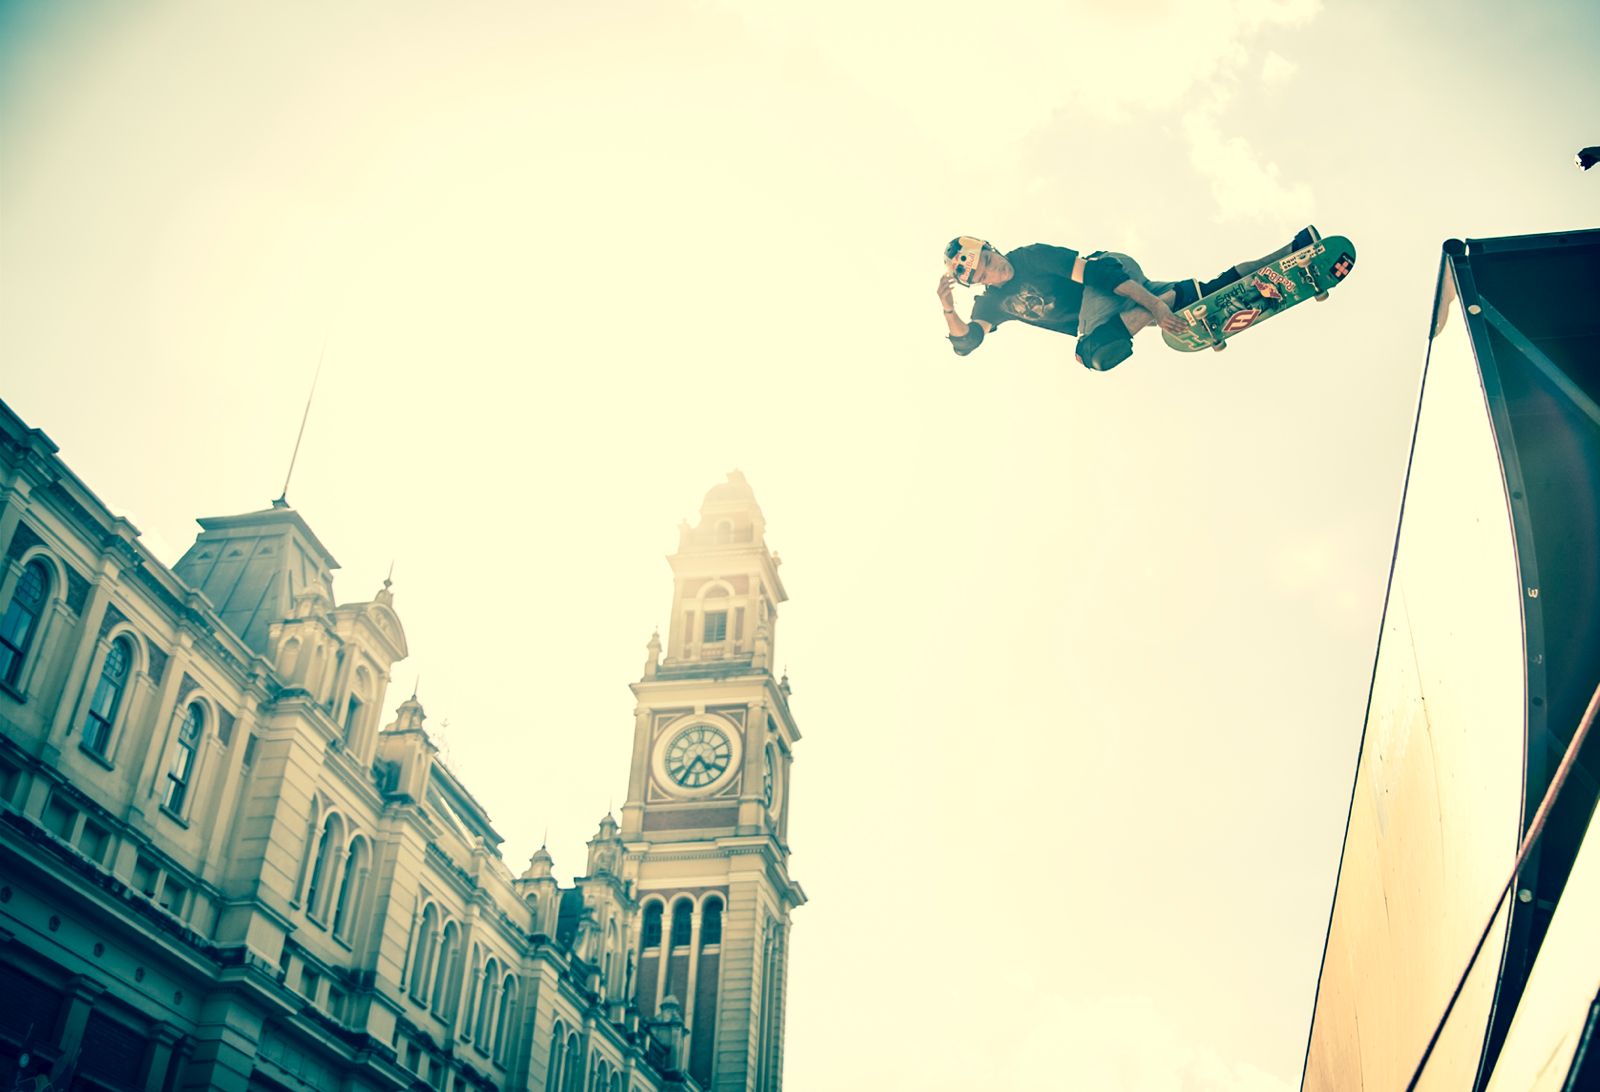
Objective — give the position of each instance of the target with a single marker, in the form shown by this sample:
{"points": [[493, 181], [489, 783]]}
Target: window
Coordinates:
{"points": [[681, 915], [322, 870], [449, 960], [92, 841], [182, 769], [107, 696], [310, 981], [172, 896], [552, 1076], [21, 620], [58, 817], [711, 922], [651, 937], [716, 626], [351, 887], [352, 714], [422, 963], [145, 875], [508, 1010]]}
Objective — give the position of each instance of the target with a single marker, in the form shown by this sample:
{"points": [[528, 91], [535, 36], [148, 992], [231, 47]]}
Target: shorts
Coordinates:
{"points": [[1099, 305]]}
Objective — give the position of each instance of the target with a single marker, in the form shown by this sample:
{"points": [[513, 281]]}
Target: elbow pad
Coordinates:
{"points": [[968, 341]]}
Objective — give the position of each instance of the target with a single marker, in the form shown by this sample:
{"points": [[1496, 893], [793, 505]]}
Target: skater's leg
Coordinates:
{"points": [[1303, 238], [1107, 321], [1137, 318]]}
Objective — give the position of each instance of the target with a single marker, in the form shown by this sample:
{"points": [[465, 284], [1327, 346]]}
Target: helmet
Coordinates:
{"points": [[961, 257]]}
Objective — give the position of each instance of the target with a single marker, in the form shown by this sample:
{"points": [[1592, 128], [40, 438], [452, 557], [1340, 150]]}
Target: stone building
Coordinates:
{"points": [[221, 868]]}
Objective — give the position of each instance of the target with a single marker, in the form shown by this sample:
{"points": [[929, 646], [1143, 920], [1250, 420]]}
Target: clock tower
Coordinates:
{"points": [[706, 818]]}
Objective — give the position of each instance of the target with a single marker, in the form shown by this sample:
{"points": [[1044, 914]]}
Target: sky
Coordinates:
{"points": [[1080, 659]]}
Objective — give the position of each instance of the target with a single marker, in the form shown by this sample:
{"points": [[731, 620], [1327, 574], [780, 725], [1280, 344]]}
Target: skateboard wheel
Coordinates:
{"points": [[1219, 346], [1321, 296]]}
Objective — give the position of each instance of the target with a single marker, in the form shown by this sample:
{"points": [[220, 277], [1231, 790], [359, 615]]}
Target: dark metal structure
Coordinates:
{"points": [[1488, 655]]}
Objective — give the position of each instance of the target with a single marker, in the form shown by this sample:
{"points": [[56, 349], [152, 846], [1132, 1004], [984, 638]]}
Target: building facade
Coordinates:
{"points": [[221, 868]]}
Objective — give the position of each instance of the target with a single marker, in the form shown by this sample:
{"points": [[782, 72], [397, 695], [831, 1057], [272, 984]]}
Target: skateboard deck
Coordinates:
{"points": [[1308, 273]]}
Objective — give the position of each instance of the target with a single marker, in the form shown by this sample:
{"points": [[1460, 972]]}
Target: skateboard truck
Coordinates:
{"points": [[1219, 341], [1310, 271]]}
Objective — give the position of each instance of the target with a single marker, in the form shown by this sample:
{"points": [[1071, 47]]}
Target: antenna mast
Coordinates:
{"points": [[283, 497]]}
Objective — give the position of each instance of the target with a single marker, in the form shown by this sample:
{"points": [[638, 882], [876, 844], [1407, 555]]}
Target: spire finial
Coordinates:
{"points": [[389, 580]]}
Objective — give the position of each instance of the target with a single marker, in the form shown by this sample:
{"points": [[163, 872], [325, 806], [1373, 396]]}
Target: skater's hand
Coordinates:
{"points": [[1169, 322], [947, 290]]}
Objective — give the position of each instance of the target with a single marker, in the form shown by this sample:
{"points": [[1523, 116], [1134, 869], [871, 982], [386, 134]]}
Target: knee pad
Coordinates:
{"points": [[1106, 346]]}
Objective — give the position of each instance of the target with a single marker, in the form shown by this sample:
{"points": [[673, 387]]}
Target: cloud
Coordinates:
{"points": [[976, 77], [1243, 183], [996, 74], [1276, 68]]}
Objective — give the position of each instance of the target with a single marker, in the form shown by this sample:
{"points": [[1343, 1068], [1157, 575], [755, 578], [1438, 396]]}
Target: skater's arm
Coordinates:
{"points": [[964, 336], [1138, 293]]}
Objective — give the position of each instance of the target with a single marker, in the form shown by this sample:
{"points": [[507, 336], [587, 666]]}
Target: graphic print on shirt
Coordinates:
{"points": [[1028, 304]]}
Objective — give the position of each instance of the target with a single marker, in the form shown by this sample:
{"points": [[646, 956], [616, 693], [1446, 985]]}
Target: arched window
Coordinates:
{"points": [[711, 921], [351, 886], [651, 935], [354, 708], [107, 696], [488, 1006], [449, 960], [508, 1010], [181, 773], [682, 923], [574, 1064], [21, 619], [608, 960], [324, 873], [472, 986], [422, 958], [552, 1077]]}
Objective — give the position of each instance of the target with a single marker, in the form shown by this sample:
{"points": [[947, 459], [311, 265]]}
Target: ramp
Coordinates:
{"points": [[1488, 652]]}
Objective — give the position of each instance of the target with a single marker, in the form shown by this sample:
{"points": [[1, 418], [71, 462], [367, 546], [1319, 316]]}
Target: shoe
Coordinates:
{"points": [[1305, 237], [1187, 292]]}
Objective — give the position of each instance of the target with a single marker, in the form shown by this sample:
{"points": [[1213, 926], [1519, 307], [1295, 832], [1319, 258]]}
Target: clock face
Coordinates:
{"points": [[697, 756], [767, 781]]}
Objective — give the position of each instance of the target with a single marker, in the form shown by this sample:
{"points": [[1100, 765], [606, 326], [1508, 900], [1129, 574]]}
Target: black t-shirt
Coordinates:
{"points": [[1041, 292]]}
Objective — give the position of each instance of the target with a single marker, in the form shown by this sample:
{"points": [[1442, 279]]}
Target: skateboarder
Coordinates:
{"points": [[1101, 298]]}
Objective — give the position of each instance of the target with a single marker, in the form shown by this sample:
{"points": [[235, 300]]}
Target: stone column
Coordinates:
{"points": [[81, 996], [225, 1041], [163, 1037], [694, 970], [161, 734]]}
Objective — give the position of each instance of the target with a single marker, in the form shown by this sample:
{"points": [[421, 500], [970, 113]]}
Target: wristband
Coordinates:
{"points": [[948, 311]]}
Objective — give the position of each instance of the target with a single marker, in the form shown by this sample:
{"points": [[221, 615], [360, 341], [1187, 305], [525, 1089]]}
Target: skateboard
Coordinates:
{"points": [[1308, 273]]}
